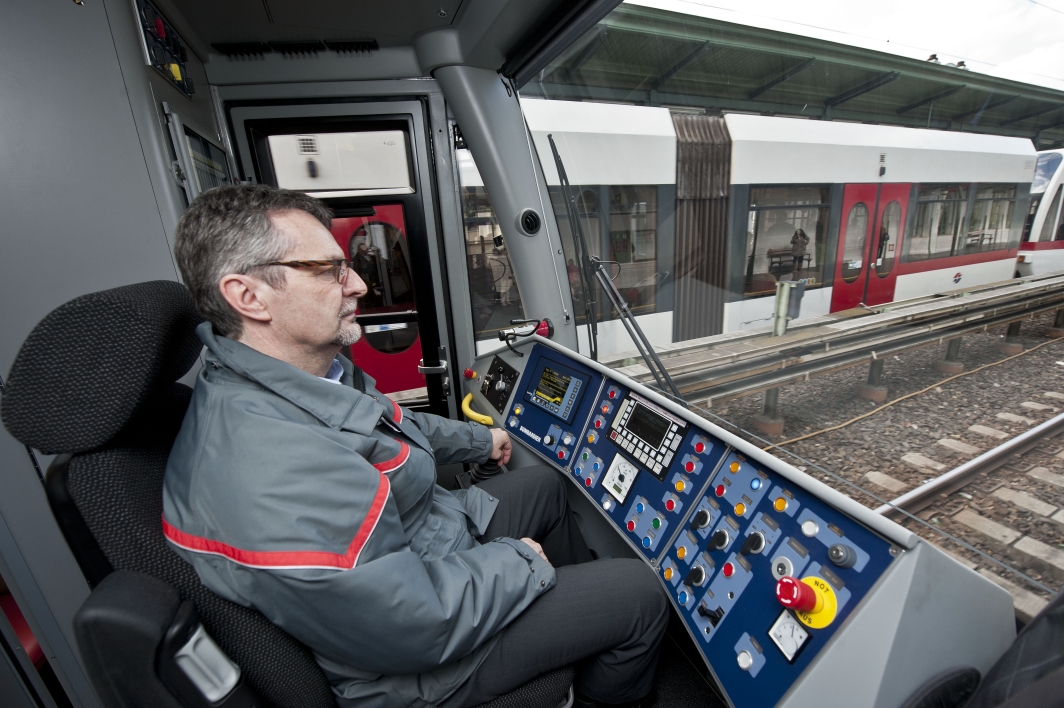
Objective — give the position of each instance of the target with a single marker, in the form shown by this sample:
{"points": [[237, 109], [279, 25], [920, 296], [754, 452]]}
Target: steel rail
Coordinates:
{"points": [[958, 477], [737, 364]]}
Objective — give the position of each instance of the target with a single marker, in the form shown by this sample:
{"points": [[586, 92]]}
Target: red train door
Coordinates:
{"points": [[390, 348], [851, 262], [889, 229]]}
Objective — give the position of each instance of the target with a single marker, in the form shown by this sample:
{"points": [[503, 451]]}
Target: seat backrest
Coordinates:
{"points": [[96, 379]]}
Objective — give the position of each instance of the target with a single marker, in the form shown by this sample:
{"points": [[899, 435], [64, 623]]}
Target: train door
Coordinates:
{"points": [[851, 263], [885, 246], [369, 163]]}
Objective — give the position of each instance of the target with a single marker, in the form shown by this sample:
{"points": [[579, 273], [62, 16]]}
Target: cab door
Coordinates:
{"points": [[885, 246], [370, 163], [855, 231]]}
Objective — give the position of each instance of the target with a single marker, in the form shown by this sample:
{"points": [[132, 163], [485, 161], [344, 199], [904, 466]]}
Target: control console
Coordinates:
{"points": [[764, 564]]}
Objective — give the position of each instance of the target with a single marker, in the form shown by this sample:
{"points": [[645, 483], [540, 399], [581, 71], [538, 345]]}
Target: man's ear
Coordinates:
{"points": [[245, 294]]}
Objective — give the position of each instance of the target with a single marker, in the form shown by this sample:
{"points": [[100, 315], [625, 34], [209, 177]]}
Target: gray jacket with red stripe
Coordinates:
{"points": [[316, 504]]}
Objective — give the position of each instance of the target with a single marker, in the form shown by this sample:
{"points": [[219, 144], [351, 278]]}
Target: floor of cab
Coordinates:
{"points": [[682, 679]]}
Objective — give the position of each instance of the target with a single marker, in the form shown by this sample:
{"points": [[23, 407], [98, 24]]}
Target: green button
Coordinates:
{"points": [[656, 523], [584, 456]]}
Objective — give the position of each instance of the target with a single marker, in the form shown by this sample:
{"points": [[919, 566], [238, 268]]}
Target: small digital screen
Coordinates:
{"points": [[648, 425], [552, 386]]}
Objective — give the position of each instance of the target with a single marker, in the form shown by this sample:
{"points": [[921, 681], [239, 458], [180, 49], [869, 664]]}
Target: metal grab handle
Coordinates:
{"points": [[440, 368]]}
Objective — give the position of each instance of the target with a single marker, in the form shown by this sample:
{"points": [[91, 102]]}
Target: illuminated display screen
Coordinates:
{"points": [[650, 427], [552, 386]]}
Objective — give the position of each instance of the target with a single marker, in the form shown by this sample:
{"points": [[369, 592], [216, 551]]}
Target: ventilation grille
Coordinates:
{"points": [[308, 145]]}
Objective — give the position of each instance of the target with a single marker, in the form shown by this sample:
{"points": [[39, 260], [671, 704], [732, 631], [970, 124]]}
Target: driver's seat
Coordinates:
{"points": [[96, 383]]}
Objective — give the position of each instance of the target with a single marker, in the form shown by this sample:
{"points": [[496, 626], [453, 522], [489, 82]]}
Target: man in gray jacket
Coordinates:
{"points": [[297, 488]]}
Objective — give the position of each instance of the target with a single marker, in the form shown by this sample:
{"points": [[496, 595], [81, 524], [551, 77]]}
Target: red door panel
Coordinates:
{"points": [[378, 250], [885, 249], [851, 259]]}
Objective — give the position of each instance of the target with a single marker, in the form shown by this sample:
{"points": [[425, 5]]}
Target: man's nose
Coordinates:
{"points": [[354, 286]]}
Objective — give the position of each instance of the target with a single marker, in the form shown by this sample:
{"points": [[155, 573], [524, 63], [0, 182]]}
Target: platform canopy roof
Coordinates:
{"points": [[654, 57]]}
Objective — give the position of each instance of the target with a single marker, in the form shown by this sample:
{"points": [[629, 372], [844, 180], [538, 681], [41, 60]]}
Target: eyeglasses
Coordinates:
{"points": [[341, 265]]}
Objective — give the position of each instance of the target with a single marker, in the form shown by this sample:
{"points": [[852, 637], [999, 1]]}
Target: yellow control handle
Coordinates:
{"points": [[472, 414]]}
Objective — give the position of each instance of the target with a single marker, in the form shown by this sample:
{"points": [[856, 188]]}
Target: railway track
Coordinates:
{"points": [[715, 369]]}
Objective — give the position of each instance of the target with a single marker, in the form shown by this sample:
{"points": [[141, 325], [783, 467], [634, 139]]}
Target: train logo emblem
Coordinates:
{"points": [[957, 277]]}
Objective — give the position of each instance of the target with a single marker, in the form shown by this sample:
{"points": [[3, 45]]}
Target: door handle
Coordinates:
{"points": [[440, 368]]}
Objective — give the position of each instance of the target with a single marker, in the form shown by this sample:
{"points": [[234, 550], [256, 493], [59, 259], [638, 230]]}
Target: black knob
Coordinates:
{"points": [[696, 577], [701, 519], [842, 555], [719, 540], [755, 543], [548, 439]]}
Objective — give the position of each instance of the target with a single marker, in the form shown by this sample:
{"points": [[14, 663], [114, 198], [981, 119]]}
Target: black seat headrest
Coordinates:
{"points": [[90, 365]]}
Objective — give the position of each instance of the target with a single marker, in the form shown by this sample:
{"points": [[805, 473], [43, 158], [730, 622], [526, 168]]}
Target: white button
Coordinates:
{"points": [[810, 528], [745, 660]]}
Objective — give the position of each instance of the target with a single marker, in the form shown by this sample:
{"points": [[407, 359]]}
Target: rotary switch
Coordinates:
{"points": [[700, 520], [696, 577], [754, 544], [719, 540]]}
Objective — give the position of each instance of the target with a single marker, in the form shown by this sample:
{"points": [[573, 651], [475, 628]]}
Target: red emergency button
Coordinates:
{"points": [[700, 446], [631, 526], [728, 570], [689, 466], [670, 505], [720, 490], [793, 593]]}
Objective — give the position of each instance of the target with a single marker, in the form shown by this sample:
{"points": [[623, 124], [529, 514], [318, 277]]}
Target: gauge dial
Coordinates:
{"points": [[789, 635]]}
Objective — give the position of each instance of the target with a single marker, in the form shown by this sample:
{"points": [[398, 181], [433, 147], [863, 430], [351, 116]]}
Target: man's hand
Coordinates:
{"points": [[537, 548], [500, 446]]}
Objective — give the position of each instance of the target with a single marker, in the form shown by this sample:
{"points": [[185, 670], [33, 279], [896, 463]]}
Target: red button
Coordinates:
{"points": [[700, 446], [561, 454], [613, 435], [588, 482], [613, 393], [605, 407], [670, 505], [598, 423], [793, 593], [720, 490], [631, 526], [689, 466], [728, 570]]}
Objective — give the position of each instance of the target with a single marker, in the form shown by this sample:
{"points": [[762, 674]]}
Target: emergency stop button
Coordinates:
{"points": [[812, 598], [793, 593]]}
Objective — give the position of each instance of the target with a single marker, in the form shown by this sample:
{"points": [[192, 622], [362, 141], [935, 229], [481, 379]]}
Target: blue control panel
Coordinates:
{"points": [[762, 572]]}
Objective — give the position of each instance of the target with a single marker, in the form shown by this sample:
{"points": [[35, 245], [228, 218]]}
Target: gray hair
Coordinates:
{"points": [[229, 230]]}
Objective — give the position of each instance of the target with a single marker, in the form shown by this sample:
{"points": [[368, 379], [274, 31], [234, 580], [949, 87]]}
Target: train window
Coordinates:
{"points": [[778, 219], [633, 244], [990, 226], [856, 233], [493, 293], [1044, 171], [326, 165], [889, 231], [940, 213], [1051, 217]]}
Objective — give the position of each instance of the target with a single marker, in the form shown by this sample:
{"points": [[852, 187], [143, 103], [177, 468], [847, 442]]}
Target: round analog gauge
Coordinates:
{"points": [[788, 635]]}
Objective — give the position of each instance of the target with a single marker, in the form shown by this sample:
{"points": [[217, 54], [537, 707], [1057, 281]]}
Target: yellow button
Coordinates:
{"points": [[518, 410], [740, 509], [780, 504], [681, 552], [175, 71], [591, 437], [680, 486], [668, 573], [734, 466]]}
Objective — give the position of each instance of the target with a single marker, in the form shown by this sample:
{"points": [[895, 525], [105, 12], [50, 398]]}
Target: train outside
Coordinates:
{"points": [[863, 214], [1043, 233]]}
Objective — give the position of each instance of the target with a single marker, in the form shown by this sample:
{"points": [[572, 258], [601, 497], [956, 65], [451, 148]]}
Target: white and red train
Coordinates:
{"points": [[1042, 248], [863, 213]]}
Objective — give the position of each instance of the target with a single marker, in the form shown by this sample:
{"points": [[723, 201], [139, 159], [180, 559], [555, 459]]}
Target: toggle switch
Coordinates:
{"points": [[714, 616], [718, 540]]}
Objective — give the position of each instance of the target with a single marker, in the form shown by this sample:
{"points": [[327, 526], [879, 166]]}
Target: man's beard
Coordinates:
{"points": [[348, 334]]}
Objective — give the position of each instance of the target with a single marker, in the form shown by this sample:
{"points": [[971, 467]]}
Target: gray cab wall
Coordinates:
{"points": [[87, 204]]}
